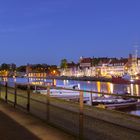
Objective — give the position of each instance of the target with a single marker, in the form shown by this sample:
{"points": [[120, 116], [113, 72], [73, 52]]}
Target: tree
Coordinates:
{"points": [[63, 63], [5, 66], [21, 68]]}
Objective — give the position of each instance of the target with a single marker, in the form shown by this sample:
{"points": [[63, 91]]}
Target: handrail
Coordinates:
{"points": [[77, 90], [88, 91]]}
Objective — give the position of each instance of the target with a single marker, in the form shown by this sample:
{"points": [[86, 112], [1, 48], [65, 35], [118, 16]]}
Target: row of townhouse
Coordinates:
{"points": [[83, 68], [102, 67]]}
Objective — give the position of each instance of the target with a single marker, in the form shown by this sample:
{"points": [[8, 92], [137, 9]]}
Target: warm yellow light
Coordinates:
{"points": [[137, 78], [137, 90], [99, 87], [112, 72]]}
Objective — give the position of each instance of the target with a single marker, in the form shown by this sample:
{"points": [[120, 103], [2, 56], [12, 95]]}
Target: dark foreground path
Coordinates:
{"points": [[17, 125]]}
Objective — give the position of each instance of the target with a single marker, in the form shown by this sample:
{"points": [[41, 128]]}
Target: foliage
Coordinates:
{"points": [[5, 66], [21, 68], [63, 63], [8, 67]]}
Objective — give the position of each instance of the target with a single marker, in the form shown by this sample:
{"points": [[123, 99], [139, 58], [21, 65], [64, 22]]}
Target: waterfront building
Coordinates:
{"points": [[103, 67], [85, 62], [138, 65], [117, 67], [4, 73], [41, 70], [72, 69], [86, 66]]}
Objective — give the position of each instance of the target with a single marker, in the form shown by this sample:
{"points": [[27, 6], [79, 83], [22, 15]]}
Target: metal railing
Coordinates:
{"points": [[70, 116]]}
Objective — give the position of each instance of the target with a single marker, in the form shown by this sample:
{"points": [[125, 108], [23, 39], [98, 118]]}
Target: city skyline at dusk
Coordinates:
{"points": [[48, 31], [70, 69]]}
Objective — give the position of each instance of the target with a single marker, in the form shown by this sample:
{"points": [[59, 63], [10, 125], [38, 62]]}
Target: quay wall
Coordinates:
{"points": [[102, 79]]}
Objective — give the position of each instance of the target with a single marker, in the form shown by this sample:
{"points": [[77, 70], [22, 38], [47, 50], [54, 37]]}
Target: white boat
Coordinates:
{"points": [[72, 86], [114, 102], [61, 92], [122, 105]]}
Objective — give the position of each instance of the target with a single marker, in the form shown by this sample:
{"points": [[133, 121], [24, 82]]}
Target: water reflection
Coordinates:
{"points": [[137, 90], [99, 86], [110, 87], [5, 79], [87, 85], [132, 89], [54, 82], [66, 82]]}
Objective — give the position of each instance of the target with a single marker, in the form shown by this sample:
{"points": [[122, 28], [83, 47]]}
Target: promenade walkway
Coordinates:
{"points": [[18, 125]]}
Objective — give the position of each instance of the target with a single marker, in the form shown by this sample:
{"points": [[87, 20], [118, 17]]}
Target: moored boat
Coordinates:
{"points": [[120, 80], [125, 79], [114, 103]]}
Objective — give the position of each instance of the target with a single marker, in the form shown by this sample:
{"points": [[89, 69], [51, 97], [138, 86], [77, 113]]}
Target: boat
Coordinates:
{"points": [[65, 91], [120, 80], [126, 79], [114, 102], [122, 105], [71, 86], [137, 82]]}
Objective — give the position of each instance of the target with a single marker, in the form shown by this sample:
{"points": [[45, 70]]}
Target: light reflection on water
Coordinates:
{"points": [[89, 85]]}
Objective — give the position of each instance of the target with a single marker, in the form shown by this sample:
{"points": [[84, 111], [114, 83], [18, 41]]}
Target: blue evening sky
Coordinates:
{"points": [[45, 31]]}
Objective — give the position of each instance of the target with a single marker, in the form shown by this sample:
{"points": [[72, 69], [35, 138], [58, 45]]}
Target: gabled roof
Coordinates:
{"points": [[86, 60], [71, 65], [104, 61], [119, 61]]}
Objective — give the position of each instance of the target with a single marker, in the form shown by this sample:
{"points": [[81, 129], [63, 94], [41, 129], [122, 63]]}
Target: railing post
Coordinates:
{"points": [[90, 98], [48, 103], [28, 97], [81, 115], [0, 90], [15, 92], [6, 90]]}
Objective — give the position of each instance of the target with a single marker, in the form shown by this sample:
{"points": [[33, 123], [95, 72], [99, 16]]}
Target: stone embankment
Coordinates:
{"points": [[102, 79]]}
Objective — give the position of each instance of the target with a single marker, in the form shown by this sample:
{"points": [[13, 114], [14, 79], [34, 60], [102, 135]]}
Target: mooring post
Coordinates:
{"points": [[81, 115], [91, 98], [0, 90]]}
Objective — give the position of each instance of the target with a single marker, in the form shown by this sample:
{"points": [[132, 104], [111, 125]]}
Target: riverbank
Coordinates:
{"points": [[85, 78], [101, 79]]}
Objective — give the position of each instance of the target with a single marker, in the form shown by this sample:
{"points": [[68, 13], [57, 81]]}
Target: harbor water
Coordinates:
{"points": [[98, 86]]}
